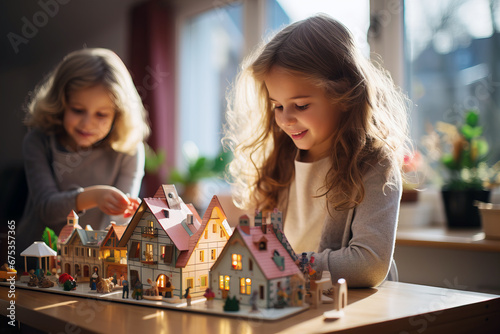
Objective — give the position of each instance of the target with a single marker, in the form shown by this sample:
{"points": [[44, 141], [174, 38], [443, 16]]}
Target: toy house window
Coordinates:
{"points": [[236, 261], [94, 253], [221, 282], [213, 254], [88, 253], [190, 282], [65, 250], [226, 282], [167, 252], [135, 250], [148, 254], [203, 281], [161, 281], [261, 292], [262, 245], [206, 234], [245, 286], [222, 233], [214, 228], [250, 264], [202, 256], [76, 251]]}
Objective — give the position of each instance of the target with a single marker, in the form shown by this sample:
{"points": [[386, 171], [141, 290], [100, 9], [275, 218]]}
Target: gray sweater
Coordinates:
{"points": [[55, 177], [357, 244]]}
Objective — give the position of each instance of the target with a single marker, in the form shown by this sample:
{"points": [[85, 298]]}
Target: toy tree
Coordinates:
{"points": [[50, 238]]}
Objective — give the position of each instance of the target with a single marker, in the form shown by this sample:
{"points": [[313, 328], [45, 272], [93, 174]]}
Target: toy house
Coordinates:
{"points": [[168, 242], [80, 254], [258, 261], [114, 258]]}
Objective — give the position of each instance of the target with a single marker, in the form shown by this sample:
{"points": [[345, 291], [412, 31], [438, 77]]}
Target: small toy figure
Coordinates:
{"points": [[105, 285], [33, 280], [168, 289], [63, 278], [125, 287], [137, 293], [253, 301], [188, 296], [114, 280], [93, 280], [282, 299], [209, 295]]}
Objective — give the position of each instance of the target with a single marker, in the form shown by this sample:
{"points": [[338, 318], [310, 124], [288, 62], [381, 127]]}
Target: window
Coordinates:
{"points": [[236, 261], [250, 264], [213, 254], [204, 281], [214, 227], [88, 252], [190, 282], [148, 254], [202, 256], [214, 42], [166, 253], [135, 250], [206, 233], [452, 57], [222, 233], [226, 282], [245, 286], [76, 251]]}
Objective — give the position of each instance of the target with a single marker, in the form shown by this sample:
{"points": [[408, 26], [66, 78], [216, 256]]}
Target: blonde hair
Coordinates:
{"points": [[372, 129], [82, 69]]}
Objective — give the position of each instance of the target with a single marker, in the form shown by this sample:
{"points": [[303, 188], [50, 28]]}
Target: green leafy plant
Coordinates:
{"points": [[200, 168], [463, 153]]}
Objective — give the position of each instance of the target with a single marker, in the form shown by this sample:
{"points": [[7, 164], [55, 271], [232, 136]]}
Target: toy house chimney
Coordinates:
{"points": [[258, 218], [189, 219], [245, 224], [277, 219]]}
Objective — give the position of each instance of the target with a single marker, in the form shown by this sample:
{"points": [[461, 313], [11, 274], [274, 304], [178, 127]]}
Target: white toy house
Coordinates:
{"points": [[169, 243]]}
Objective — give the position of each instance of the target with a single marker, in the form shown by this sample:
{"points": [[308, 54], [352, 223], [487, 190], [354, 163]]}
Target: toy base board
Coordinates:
{"points": [[197, 304]]}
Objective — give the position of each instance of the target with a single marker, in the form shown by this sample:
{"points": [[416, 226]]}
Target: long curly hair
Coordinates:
{"points": [[373, 127], [83, 69]]}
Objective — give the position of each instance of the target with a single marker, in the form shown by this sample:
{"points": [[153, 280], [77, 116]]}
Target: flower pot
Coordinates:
{"points": [[460, 209]]}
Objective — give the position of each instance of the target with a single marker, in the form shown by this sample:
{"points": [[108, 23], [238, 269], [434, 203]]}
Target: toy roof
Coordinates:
{"points": [[88, 238], [193, 241], [117, 230], [264, 258], [39, 249], [67, 230], [171, 213]]}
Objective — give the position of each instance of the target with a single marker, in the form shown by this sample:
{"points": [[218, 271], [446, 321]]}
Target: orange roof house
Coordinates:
{"points": [[168, 242], [114, 257]]}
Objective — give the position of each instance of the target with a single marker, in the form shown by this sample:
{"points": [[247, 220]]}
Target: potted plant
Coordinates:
{"points": [[462, 152]]}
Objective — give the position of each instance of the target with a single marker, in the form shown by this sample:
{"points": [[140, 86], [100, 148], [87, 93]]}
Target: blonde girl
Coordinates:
{"points": [[320, 133], [84, 150]]}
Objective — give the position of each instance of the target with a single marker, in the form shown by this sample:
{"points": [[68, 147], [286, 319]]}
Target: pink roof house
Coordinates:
{"points": [[255, 261], [168, 242]]}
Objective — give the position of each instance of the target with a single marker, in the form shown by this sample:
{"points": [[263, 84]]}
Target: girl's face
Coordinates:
{"points": [[303, 111], [88, 116]]}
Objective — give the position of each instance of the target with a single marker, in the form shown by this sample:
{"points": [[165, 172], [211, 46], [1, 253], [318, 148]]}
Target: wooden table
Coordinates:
{"points": [[390, 308]]}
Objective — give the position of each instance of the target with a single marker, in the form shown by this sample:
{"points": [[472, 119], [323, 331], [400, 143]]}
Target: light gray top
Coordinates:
{"points": [[55, 177], [357, 244]]}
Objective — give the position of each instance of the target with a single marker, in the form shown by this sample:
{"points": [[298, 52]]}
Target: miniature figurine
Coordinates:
{"points": [[33, 280], [282, 298], [45, 282], [153, 292], [105, 285], [125, 288], [253, 301], [63, 278], [137, 293], [209, 295], [188, 296], [93, 281]]}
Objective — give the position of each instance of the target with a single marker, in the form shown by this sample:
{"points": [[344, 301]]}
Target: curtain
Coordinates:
{"points": [[152, 65]]}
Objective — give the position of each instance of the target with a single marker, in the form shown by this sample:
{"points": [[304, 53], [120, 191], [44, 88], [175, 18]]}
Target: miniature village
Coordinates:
{"points": [[170, 255]]}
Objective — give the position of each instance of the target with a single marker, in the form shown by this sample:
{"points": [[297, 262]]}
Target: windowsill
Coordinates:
{"points": [[441, 237]]}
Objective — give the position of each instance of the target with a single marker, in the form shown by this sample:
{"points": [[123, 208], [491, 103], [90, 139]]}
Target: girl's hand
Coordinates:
{"points": [[132, 207], [112, 202], [109, 200]]}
